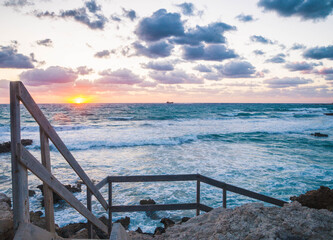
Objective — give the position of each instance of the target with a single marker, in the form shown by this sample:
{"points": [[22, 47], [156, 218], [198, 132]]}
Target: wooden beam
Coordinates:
{"points": [[153, 178], [154, 207], [38, 115], [19, 172], [205, 208], [48, 194], [43, 174], [198, 197]]}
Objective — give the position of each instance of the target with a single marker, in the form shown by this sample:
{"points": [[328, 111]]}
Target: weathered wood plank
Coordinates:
{"points": [[89, 207], [19, 172], [153, 178], [198, 197], [154, 207], [37, 114], [102, 183], [48, 194], [224, 197], [41, 172], [110, 204], [205, 208]]}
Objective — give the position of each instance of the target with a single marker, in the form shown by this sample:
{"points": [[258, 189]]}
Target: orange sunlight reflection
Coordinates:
{"points": [[79, 99]]}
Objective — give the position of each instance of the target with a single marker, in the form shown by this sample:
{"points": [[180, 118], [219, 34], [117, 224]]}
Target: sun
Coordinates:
{"points": [[79, 99]]}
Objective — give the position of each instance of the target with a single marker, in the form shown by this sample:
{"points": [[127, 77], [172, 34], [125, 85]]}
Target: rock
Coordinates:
{"points": [[138, 230], [140, 236], [147, 201], [159, 231], [329, 114], [100, 233], [184, 219], [56, 197], [5, 147], [81, 234], [318, 134], [321, 198], [71, 229], [36, 219], [6, 218], [152, 214], [32, 193], [124, 221], [167, 222]]}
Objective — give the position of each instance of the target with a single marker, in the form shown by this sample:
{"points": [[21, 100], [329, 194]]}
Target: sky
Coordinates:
{"points": [[129, 51]]}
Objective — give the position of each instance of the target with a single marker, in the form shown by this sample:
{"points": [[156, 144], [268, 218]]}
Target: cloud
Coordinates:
{"points": [[187, 8], [160, 25], [245, 18], [297, 46], [286, 82], [9, 58], [300, 66], [120, 76], [153, 50], [279, 58], [159, 66], [211, 33], [202, 68], [306, 9], [260, 39], [46, 42], [17, 3], [175, 77], [115, 18], [208, 53], [51, 75], [92, 6], [327, 72], [84, 70], [258, 52], [103, 54], [237, 69], [131, 14], [319, 52]]}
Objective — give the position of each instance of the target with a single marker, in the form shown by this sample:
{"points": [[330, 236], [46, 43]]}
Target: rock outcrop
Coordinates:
{"points": [[56, 197], [6, 218], [5, 147], [318, 134]]}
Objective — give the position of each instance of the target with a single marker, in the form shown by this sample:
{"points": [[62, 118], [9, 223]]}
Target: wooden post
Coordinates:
{"points": [[48, 193], [198, 197], [90, 227], [224, 197], [110, 205], [19, 172]]}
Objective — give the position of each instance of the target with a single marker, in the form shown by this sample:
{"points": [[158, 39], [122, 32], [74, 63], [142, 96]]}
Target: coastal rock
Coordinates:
{"points": [[184, 219], [167, 222], [124, 221], [5, 147], [147, 201], [37, 219], [321, 198], [100, 233], [71, 229], [56, 197], [6, 218], [329, 114], [318, 134], [32, 193], [254, 221], [159, 231], [151, 214]]}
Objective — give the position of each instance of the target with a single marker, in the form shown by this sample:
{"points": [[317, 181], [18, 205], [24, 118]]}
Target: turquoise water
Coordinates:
{"points": [[267, 148]]}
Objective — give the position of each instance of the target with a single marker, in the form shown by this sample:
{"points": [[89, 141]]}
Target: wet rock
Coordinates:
{"points": [[184, 219], [81, 234], [32, 193], [100, 233], [147, 201], [151, 214], [318, 134], [139, 230], [36, 219], [71, 229], [5, 147], [6, 218], [329, 114], [167, 222], [159, 231], [56, 197], [124, 221], [321, 198]]}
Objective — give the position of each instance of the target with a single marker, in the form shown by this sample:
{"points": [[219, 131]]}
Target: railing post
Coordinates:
{"points": [[110, 205], [19, 172], [90, 227], [224, 198], [198, 197], [48, 193]]}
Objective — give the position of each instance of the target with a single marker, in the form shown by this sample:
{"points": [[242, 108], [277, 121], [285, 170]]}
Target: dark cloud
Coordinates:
{"points": [[306, 9], [84, 70], [175, 77], [187, 8], [51, 75], [260, 39], [131, 14], [9, 58], [92, 6], [153, 50], [103, 54], [202, 68], [160, 25], [46, 42], [44, 14], [286, 82], [120, 76], [208, 34], [327, 72], [319, 52], [208, 53], [17, 3], [279, 58], [237, 69], [115, 18], [245, 18], [159, 66], [297, 46], [258, 52], [300, 66]]}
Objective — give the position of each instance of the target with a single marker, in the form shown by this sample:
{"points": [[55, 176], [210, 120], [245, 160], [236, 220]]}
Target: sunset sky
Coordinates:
{"points": [[114, 51]]}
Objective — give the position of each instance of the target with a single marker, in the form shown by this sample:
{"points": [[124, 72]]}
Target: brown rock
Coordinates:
{"points": [[147, 201], [4, 198], [5, 147], [159, 231], [6, 218], [318, 134], [32, 193], [184, 219], [56, 197], [167, 222], [318, 199], [71, 229], [124, 221]]}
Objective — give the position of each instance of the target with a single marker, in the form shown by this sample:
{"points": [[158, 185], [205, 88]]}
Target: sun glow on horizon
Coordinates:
{"points": [[79, 99]]}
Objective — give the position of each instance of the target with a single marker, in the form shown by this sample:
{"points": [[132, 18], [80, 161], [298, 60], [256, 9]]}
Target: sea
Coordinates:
{"points": [[266, 148]]}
